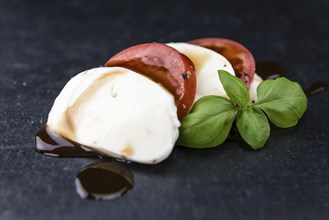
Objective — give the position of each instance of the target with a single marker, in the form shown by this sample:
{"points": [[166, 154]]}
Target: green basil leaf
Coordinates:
{"points": [[208, 124], [253, 127], [283, 101], [235, 89]]}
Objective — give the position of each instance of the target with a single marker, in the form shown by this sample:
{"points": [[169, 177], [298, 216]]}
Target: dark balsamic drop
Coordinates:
{"points": [[269, 69], [103, 181], [316, 87], [52, 144], [273, 70]]}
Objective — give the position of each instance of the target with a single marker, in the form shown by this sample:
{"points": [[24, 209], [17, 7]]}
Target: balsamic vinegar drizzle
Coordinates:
{"points": [[316, 87], [100, 181], [52, 144], [273, 70], [103, 181], [269, 69]]}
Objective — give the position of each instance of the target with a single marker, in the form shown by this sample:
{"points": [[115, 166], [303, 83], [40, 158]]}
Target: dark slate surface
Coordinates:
{"points": [[44, 43]]}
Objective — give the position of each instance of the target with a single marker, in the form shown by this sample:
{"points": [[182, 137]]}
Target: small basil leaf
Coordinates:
{"points": [[234, 88], [283, 101], [208, 124], [253, 127]]}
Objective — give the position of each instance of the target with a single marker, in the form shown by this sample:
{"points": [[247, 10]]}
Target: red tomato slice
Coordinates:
{"points": [[240, 57], [164, 65]]}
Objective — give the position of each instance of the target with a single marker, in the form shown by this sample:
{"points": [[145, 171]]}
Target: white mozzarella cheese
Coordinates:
{"points": [[117, 112], [253, 87], [207, 63]]}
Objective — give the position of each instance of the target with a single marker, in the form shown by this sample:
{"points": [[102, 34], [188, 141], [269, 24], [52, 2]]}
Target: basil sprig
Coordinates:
{"points": [[208, 124]]}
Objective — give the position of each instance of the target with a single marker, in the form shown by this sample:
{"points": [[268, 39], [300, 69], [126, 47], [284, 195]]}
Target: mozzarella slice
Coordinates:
{"points": [[253, 87], [207, 63], [117, 112]]}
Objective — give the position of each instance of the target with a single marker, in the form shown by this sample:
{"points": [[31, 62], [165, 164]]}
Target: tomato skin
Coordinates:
{"points": [[164, 65], [239, 56]]}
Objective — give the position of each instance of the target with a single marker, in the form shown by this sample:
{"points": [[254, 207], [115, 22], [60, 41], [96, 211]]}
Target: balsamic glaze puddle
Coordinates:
{"points": [[273, 70], [269, 69], [108, 180], [103, 181], [100, 181], [316, 87], [50, 143]]}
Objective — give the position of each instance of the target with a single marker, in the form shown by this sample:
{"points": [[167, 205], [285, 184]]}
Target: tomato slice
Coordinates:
{"points": [[164, 65], [240, 57]]}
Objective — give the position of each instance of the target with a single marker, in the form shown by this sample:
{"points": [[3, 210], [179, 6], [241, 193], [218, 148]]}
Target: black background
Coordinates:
{"points": [[45, 43]]}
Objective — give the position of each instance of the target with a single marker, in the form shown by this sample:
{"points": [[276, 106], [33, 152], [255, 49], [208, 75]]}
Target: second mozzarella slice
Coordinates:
{"points": [[207, 63]]}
